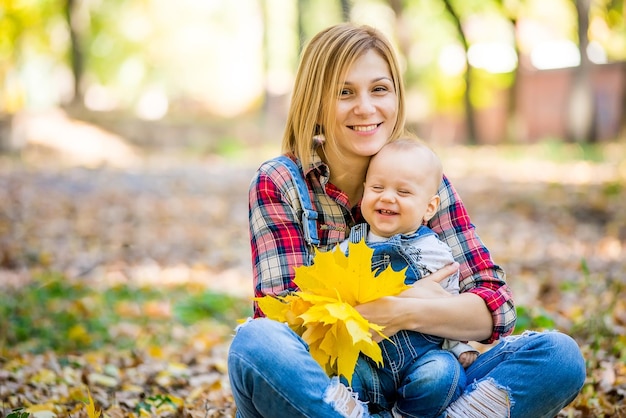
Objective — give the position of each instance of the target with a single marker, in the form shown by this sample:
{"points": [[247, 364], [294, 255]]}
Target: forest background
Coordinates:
{"points": [[129, 131]]}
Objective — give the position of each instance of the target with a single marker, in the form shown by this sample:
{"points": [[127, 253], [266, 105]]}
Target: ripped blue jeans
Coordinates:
{"points": [[273, 375]]}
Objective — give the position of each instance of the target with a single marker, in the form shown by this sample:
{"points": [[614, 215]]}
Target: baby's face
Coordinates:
{"points": [[398, 191]]}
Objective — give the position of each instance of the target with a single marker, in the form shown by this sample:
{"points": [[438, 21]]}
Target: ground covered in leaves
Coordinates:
{"points": [[126, 282]]}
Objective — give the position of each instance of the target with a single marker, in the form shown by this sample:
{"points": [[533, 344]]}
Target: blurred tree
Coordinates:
{"points": [[119, 49], [75, 27], [510, 10], [581, 108], [26, 32], [609, 28], [470, 122], [346, 10], [457, 13]]}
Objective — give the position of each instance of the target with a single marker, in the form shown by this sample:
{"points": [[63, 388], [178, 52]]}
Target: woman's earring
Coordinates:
{"points": [[318, 135], [319, 139]]}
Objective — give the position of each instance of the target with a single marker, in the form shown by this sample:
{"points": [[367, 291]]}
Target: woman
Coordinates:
{"points": [[348, 101]]}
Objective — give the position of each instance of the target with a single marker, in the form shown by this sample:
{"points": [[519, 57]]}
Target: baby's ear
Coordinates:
{"points": [[433, 206]]}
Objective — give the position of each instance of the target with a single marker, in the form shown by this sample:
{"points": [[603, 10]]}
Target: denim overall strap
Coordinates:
{"points": [[358, 233], [309, 215]]}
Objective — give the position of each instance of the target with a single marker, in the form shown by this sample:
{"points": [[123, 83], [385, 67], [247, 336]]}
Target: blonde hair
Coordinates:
{"points": [[324, 62]]}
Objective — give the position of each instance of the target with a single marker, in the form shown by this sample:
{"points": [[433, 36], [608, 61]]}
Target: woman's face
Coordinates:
{"points": [[367, 108]]}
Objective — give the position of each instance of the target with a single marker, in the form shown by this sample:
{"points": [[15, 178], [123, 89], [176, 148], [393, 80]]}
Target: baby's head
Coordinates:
{"points": [[418, 157], [401, 187]]}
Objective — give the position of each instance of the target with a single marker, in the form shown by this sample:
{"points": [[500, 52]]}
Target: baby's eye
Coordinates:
{"points": [[404, 192], [377, 188]]}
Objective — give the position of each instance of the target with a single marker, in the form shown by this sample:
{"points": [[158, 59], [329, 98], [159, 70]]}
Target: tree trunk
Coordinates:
{"points": [[580, 116], [346, 9], [469, 108], [76, 53]]}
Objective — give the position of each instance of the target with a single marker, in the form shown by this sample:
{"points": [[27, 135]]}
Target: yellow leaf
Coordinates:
{"points": [[357, 330], [45, 376], [91, 407], [347, 354], [79, 334], [45, 407], [273, 307], [298, 306], [156, 351], [316, 333], [351, 276], [323, 313]]}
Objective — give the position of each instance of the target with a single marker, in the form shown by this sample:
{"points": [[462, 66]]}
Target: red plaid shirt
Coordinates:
{"points": [[278, 245]]}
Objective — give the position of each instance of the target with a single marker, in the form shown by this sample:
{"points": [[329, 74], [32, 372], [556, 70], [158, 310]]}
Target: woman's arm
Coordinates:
{"points": [[276, 235], [461, 317], [484, 311], [479, 275]]}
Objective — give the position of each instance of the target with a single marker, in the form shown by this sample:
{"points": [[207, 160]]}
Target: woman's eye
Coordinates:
{"points": [[344, 92], [381, 89]]}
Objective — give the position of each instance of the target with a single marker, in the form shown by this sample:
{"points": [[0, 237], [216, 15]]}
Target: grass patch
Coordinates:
{"points": [[54, 313]]}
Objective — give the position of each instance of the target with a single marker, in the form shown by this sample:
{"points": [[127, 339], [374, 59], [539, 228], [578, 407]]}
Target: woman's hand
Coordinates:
{"points": [[385, 312], [391, 312], [429, 287]]}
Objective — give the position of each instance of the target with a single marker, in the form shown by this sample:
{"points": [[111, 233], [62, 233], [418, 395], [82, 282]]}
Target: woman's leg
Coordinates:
{"points": [[529, 375], [272, 374]]}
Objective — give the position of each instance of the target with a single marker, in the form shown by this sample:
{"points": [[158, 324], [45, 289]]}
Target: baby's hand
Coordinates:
{"points": [[467, 358]]}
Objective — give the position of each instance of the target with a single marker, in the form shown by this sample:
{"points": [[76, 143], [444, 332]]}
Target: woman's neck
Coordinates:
{"points": [[347, 175]]}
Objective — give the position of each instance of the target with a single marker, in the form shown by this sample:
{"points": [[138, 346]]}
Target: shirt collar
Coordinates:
{"points": [[319, 167]]}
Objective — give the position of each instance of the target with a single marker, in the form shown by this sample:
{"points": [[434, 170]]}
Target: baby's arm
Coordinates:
{"points": [[462, 351], [435, 254]]}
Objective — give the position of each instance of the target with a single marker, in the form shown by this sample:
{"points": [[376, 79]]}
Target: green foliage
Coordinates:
{"points": [[558, 151], [210, 305], [613, 189], [533, 318], [55, 313], [18, 413], [28, 25], [487, 87], [596, 326], [157, 401]]}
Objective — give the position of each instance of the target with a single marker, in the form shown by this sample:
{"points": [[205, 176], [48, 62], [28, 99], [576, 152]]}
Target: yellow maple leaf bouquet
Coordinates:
{"points": [[322, 311]]}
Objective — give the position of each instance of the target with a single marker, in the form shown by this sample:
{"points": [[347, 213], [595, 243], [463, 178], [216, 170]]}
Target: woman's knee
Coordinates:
{"points": [[568, 353], [253, 329], [558, 355], [265, 341]]}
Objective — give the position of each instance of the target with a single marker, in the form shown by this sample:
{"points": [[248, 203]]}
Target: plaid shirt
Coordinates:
{"points": [[278, 245]]}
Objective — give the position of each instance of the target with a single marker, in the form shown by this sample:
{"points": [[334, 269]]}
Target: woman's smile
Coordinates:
{"points": [[365, 128]]}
